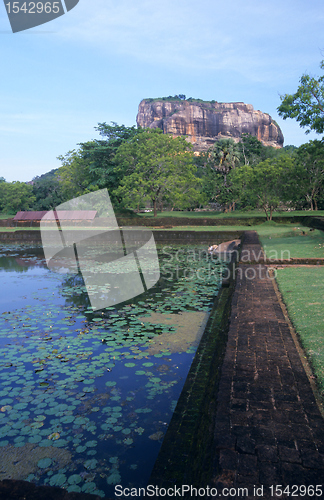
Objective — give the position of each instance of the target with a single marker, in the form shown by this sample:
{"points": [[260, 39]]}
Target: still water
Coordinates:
{"points": [[86, 398]]}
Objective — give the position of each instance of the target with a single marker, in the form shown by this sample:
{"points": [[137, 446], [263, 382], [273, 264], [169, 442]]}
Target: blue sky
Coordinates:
{"points": [[96, 63]]}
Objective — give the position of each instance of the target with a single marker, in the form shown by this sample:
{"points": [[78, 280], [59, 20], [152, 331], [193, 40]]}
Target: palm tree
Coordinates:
{"points": [[223, 157]]}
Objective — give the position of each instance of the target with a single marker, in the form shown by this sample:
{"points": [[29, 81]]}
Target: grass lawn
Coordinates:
{"points": [[302, 289], [6, 216], [293, 241], [12, 229], [237, 214], [212, 229]]}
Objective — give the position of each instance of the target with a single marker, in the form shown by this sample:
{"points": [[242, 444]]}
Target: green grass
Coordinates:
{"points": [[13, 229], [6, 216], [294, 241], [237, 214], [212, 229], [303, 294]]}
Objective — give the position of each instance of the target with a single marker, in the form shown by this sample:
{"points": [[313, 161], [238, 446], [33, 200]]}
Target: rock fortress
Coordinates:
{"points": [[205, 122]]}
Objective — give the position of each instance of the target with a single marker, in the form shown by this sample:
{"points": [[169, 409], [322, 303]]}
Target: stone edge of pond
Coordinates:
{"points": [[186, 453], [207, 220], [160, 236]]}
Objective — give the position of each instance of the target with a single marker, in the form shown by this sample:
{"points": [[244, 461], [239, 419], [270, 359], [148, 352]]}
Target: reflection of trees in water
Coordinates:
{"points": [[23, 258], [19, 264], [11, 264], [78, 298]]}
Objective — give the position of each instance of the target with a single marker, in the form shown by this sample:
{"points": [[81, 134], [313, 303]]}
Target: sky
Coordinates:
{"points": [[98, 61]]}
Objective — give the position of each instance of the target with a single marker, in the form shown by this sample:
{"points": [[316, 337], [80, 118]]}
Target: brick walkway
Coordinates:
{"points": [[269, 430]]}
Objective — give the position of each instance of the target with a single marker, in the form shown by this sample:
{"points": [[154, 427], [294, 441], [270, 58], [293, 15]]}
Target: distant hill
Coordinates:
{"points": [[44, 177]]}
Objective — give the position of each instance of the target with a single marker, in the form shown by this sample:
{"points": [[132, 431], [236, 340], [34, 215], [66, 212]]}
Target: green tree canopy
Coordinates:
{"points": [[156, 167], [100, 154], [222, 158], [253, 151], [306, 105], [93, 166], [48, 191], [309, 175], [265, 185], [74, 176], [16, 196]]}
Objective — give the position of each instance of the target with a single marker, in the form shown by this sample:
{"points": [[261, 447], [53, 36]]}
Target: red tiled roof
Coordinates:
{"points": [[61, 214], [29, 215]]}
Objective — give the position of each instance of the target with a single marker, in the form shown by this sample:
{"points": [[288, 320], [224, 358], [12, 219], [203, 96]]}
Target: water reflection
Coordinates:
{"points": [[20, 258]]}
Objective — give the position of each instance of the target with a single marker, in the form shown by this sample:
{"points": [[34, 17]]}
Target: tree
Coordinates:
{"points": [[307, 104], [100, 154], [74, 175], [16, 196], [252, 150], [154, 167], [92, 166], [223, 157], [48, 191], [310, 174], [265, 185]]}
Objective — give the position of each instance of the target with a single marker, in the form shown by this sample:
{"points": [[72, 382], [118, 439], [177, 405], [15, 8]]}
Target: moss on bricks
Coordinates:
{"points": [[186, 455]]}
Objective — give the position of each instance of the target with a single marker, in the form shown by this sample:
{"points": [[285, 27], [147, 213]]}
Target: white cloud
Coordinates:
{"points": [[251, 38]]}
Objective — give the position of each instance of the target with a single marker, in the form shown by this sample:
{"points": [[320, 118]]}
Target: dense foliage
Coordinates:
{"points": [[15, 196], [155, 167], [47, 191], [306, 105]]}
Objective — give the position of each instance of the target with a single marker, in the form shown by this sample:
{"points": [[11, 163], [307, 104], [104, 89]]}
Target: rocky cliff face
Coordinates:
{"points": [[206, 122]]}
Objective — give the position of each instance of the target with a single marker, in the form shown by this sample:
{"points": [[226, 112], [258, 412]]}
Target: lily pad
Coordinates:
{"points": [[114, 478], [57, 480], [43, 463], [90, 464], [75, 479], [80, 449], [91, 444], [89, 487]]}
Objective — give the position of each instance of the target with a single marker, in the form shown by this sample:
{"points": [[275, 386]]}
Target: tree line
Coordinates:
{"points": [[142, 167]]}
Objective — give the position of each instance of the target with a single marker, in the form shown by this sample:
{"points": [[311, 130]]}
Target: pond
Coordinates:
{"points": [[86, 397]]}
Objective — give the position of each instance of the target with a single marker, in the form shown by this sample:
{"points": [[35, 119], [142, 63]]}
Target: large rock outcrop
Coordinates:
{"points": [[206, 122]]}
